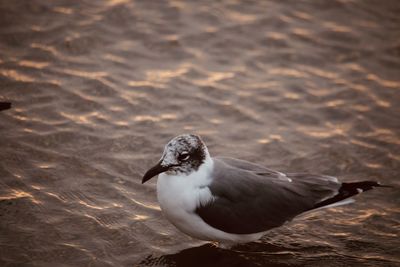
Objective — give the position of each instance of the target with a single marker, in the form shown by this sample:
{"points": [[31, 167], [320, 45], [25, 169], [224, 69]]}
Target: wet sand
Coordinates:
{"points": [[98, 87]]}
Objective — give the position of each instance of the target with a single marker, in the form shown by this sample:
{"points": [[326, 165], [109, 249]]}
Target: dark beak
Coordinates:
{"points": [[153, 172]]}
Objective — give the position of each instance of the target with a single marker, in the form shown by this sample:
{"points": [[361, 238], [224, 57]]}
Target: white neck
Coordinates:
{"points": [[171, 188]]}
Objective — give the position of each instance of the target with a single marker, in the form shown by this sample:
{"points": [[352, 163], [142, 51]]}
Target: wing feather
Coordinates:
{"points": [[251, 199]]}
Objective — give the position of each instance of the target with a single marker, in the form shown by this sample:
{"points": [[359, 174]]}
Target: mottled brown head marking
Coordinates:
{"points": [[184, 154]]}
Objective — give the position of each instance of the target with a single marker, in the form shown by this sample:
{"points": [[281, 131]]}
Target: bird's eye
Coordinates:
{"points": [[184, 156]]}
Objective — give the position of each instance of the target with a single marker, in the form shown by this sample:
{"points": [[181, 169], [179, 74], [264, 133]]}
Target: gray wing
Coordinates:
{"points": [[252, 199]]}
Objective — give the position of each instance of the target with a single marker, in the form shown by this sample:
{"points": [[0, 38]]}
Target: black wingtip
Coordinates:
{"points": [[5, 105], [348, 190], [364, 185]]}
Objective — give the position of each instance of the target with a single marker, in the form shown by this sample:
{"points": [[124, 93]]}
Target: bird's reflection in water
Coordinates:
{"points": [[211, 255]]}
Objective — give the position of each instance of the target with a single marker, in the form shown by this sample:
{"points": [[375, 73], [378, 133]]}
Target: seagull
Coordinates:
{"points": [[231, 201]]}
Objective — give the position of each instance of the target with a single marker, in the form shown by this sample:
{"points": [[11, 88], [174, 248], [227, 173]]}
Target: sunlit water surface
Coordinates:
{"points": [[98, 88]]}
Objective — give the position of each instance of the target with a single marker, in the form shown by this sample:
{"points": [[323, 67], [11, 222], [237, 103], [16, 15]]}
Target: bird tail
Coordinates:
{"points": [[348, 190]]}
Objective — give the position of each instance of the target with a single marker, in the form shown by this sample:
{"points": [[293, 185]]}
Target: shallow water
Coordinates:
{"points": [[98, 88]]}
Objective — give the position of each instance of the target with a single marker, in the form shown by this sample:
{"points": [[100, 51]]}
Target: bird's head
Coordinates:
{"points": [[182, 155]]}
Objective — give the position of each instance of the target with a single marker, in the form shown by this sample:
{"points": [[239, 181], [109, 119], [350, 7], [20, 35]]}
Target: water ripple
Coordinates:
{"points": [[97, 88]]}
